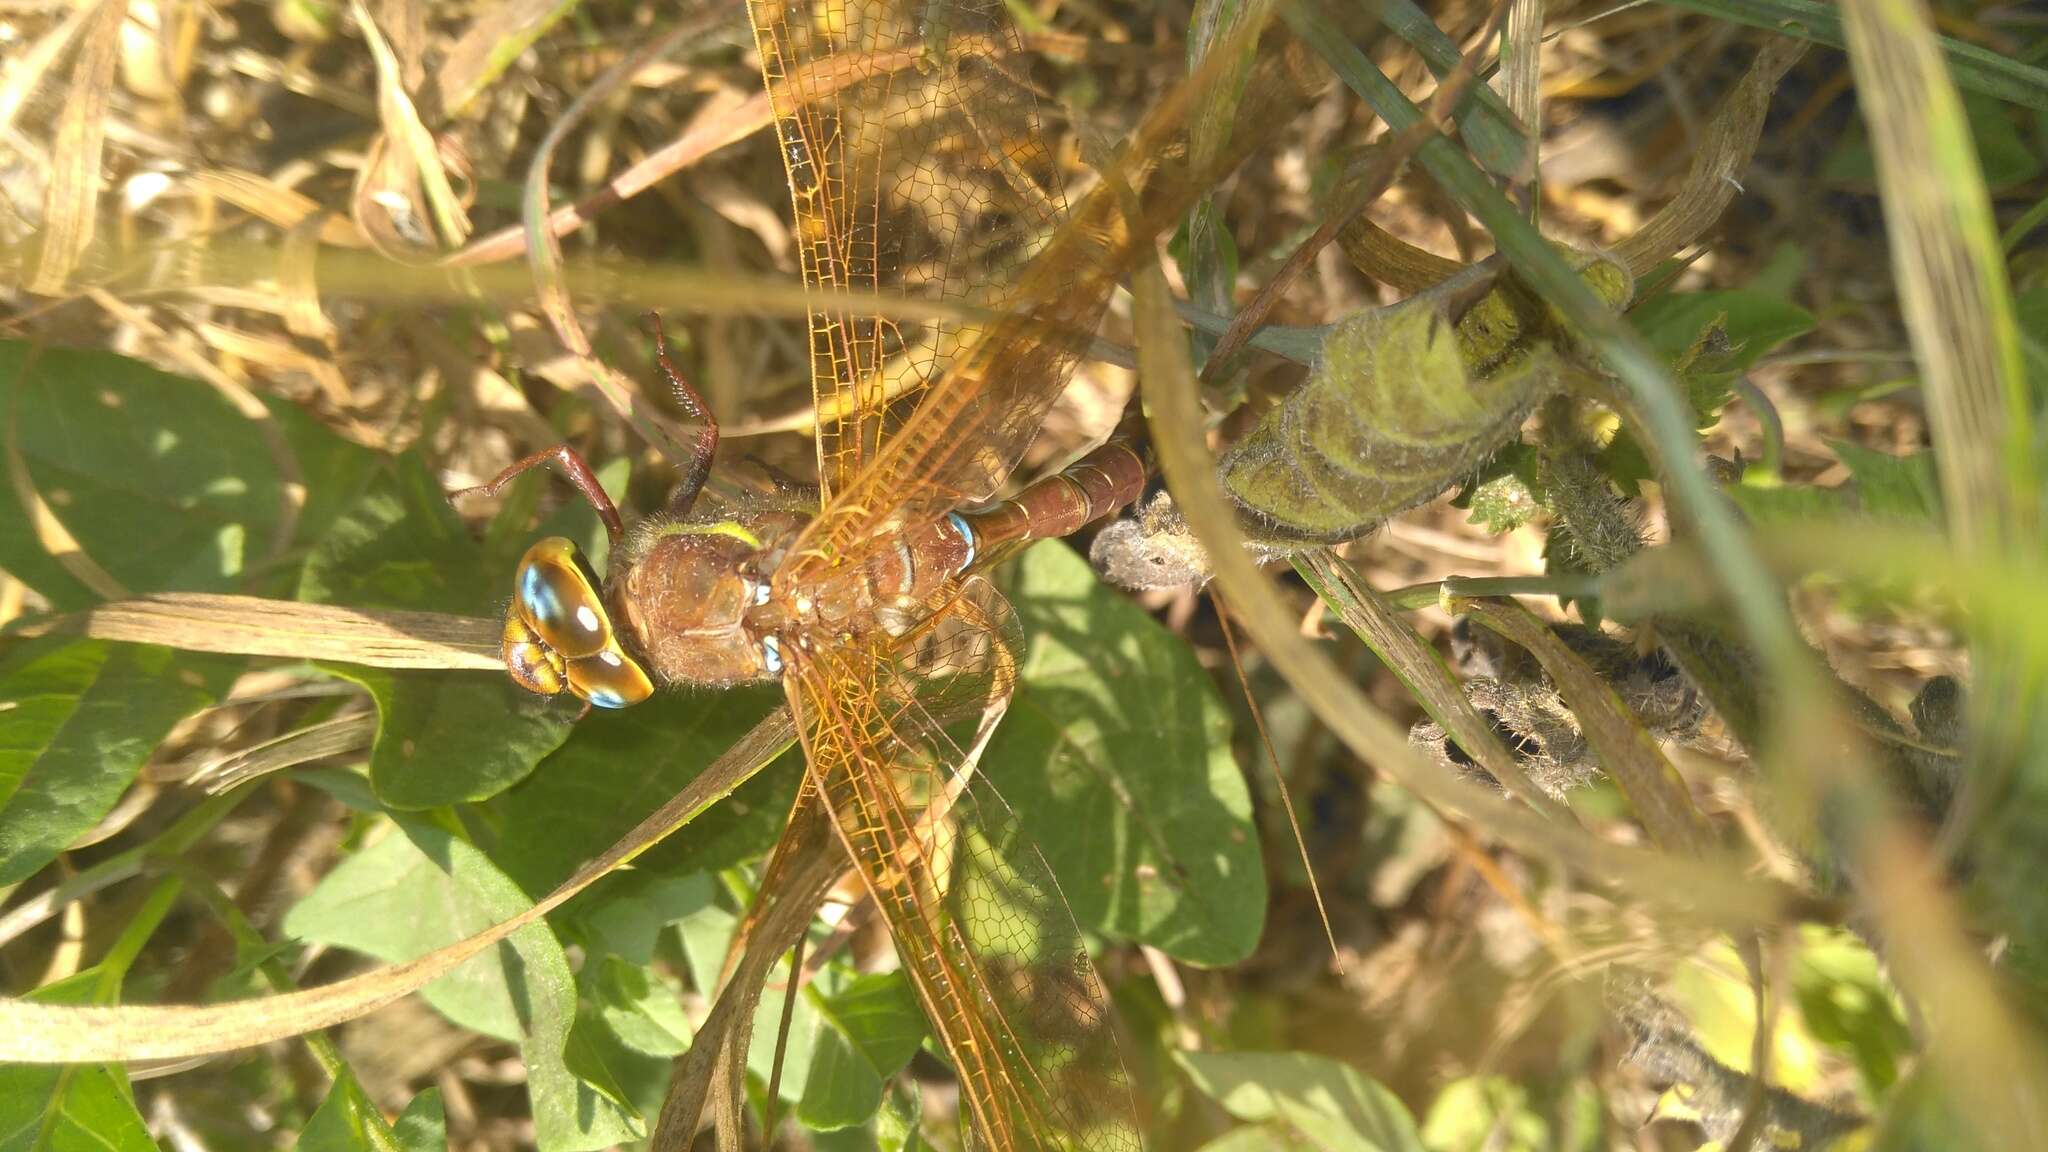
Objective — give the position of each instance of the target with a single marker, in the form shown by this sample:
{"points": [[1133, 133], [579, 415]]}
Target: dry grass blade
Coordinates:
{"points": [[1521, 66], [1628, 752], [1950, 273], [404, 129], [253, 626], [1421, 668], [26, 71], [62, 1034], [342, 735], [544, 252], [1724, 151], [274, 203], [71, 199]]}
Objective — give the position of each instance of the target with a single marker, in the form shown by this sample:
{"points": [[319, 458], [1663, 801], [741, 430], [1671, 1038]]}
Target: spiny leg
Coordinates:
{"points": [[577, 472], [698, 469]]}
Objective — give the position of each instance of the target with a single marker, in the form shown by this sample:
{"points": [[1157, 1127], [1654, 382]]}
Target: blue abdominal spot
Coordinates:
{"points": [[960, 525]]}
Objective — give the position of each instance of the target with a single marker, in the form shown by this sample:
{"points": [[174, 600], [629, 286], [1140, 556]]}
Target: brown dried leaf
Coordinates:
{"points": [[71, 199], [270, 201]]}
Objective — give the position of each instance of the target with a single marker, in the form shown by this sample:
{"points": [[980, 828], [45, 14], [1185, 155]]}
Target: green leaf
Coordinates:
{"points": [[401, 545], [1503, 496], [617, 767], [1849, 1006], [85, 716], [163, 483], [1890, 487], [623, 915], [1115, 756], [64, 1107], [345, 1121], [58, 1108], [336, 472], [442, 737], [408, 894], [871, 1030], [1789, 503], [2002, 152], [1484, 1114], [423, 1126], [453, 737], [1711, 337], [1338, 1108], [640, 1008], [1263, 1138]]}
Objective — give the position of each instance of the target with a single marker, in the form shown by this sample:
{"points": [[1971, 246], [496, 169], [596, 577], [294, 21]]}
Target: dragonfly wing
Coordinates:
{"points": [[975, 420], [708, 1084], [915, 165], [977, 918]]}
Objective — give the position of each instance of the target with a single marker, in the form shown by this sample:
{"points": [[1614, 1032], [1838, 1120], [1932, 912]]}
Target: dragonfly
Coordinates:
{"points": [[917, 163]]}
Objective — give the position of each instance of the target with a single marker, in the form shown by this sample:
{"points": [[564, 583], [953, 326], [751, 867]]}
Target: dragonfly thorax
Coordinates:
{"points": [[691, 598]]}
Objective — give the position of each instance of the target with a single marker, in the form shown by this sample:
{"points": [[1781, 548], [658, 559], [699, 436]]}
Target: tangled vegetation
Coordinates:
{"points": [[1573, 685]]}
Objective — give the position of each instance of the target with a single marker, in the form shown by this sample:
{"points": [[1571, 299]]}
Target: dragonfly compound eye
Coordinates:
{"points": [[558, 635], [532, 664], [610, 679], [558, 598]]}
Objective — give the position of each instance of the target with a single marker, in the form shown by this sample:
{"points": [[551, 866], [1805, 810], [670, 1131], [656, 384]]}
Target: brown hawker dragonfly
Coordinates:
{"points": [[916, 164]]}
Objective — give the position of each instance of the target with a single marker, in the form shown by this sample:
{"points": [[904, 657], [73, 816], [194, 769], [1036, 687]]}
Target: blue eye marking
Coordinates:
{"points": [[960, 525]]}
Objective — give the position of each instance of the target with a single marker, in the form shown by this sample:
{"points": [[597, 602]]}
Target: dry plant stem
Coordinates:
{"points": [[1422, 671], [1521, 52], [544, 255], [1384, 166], [1176, 424], [58, 1034], [288, 629], [1724, 151], [709, 1076]]}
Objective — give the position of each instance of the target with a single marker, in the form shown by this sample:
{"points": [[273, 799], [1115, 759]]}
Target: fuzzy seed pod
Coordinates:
{"points": [[1404, 402]]}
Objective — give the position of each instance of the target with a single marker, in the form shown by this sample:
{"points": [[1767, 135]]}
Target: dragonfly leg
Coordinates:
{"points": [[577, 472], [699, 466]]}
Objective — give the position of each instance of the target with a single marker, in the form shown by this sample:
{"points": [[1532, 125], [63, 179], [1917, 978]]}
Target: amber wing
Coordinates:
{"points": [[977, 918], [916, 166], [975, 419]]}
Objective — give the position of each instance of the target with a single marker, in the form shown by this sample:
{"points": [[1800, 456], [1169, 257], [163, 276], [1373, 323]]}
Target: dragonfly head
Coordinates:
{"points": [[558, 635]]}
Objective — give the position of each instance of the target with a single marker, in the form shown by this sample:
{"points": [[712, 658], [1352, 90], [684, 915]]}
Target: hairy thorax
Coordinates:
{"points": [[699, 601], [692, 597]]}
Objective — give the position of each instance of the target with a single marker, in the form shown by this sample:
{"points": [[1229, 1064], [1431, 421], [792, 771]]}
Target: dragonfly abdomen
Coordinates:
{"points": [[1093, 487]]}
